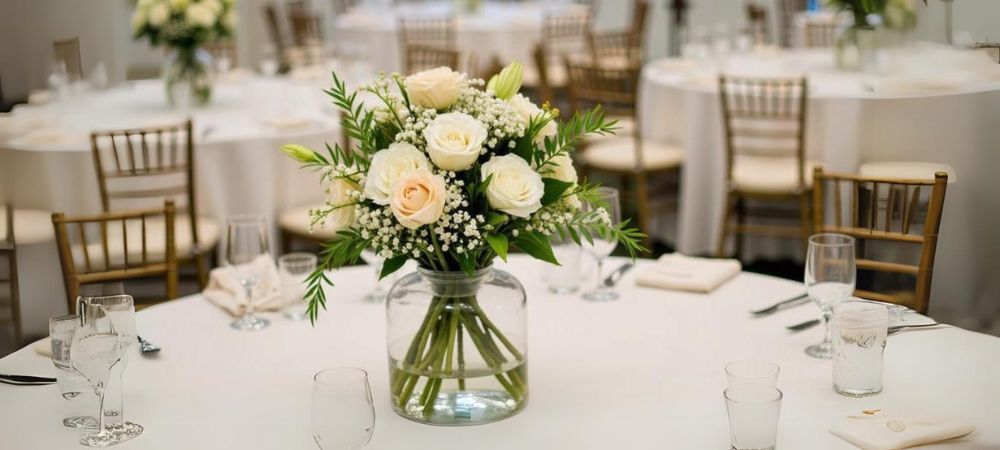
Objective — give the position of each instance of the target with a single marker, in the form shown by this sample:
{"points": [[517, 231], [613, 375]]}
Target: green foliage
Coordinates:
{"points": [[537, 245], [499, 244]]}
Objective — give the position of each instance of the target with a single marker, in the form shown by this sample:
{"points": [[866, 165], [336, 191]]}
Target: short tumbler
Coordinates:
{"points": [[753, 416], [859, 335]]}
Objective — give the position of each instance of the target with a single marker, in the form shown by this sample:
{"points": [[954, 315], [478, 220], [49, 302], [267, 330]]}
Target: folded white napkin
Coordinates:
{"points": [[686, 273], [880, 431], [43, 347], [226, 292]]}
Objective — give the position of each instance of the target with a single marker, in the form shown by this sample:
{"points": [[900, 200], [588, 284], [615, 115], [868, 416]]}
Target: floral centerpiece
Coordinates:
{"points": [[452, 173], [856, 44], [185, 26]]}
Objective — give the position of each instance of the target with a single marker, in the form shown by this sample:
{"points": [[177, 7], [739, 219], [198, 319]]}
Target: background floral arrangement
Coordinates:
{"points": [[184, 23], [894, 14]]}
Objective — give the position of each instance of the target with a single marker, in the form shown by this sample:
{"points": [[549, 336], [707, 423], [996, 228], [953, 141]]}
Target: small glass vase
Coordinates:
{"points": [[188, 75], [457, 346]]}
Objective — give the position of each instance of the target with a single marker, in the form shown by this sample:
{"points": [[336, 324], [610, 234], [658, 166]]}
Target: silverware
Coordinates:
{"points": [[26, 380], [207, 131], [617, 274], [898, 328], [803, 325], [146, 346], [797, 300]]}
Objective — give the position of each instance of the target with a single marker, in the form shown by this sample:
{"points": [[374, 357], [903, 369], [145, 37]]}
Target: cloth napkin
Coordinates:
{"points": [[226, 292], [43, 347], [686, 273], [880, 431]]}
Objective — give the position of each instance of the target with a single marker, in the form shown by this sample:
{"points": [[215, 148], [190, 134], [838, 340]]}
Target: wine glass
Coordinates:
{"points": [[246, 240], [294, 269], [603, 245], [343, 415], [96, 348], [73, 387], [116, 312], [381, 290], [829, 277]]}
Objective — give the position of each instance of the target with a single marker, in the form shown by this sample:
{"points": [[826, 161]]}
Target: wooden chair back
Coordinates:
{"points": [[758, 24], [427, 31], [992, 47], [306, 28], [68, 53], [788, 9], [8, 250], [620, 49], [884, 209], [590, 84], [764, 117], [424, 57], [820, 34], [115, 247], [225, 49], [565, 32]]}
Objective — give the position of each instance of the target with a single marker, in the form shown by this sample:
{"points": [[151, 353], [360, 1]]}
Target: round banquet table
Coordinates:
{"points": [[46, 162], [506, 30], [934, 105], [643, 372]]}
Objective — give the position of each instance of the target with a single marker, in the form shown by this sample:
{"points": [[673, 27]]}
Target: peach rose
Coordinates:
{"points": [[418, 198]]}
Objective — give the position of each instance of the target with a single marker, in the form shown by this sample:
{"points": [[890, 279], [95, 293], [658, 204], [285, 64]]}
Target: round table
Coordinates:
{"points": [[935, 105], [645, 371], [506, 30], [46, 162]]}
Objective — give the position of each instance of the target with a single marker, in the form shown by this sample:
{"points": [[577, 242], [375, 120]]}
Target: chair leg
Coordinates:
{"points": [[806, 224], [15, 299], [202, 268], [724, 227], [741, 220]]}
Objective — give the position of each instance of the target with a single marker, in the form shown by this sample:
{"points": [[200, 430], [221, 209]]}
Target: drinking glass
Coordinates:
{"points": [[381, 289], [564, 278], [753, 416], [96, 348], [602, 246], [829, 277], [859, 330], [294, 268], [72, 385], [117, 313], [343, 415], [752, 371], [246, 240]]}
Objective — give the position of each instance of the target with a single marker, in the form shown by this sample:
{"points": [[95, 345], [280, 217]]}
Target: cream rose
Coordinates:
{"points": [[418, 199], [200, 14], [561, 168], [178, 5], [435, 88], [337, 196], [138, 19], [454, 140], [526, 111], [516, 188], [158, 14], [390, 165]]}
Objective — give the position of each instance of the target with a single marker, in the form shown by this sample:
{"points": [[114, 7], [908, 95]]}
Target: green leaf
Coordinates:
{"points": [[554, 190], [466, 263], [496, 219], [537, 245], [525, 148], [499, 244], [391, 265]]}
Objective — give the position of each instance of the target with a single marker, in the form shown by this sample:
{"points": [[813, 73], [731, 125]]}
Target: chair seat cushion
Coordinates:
{"points": [[907, 170], [769, 174], [556, 76], [618, 153], [208, 238], [296, 221], [31, 226]]}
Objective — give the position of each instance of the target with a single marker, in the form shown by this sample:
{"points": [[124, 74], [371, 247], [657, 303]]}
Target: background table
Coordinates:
{"points": [[644, 372], [935, 105]]}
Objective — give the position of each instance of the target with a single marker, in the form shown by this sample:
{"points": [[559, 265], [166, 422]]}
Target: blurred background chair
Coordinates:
{"points": [[820, 34], [10, 306], [758, 23], [424, 57], [563, 33], [428, 42], [788, 9]]}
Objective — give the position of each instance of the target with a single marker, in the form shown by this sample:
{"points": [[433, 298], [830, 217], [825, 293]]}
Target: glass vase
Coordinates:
{"points": [[457, 346], [188, 76]]}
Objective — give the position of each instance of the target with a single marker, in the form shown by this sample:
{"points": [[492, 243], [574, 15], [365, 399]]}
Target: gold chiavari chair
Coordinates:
{"points": [[820, 34], [563, 33], [992, 47], [640, 10], [225, 49], [430, 31], [788, 10], [68, 53], [20, 227], [8, 251], [764, 125], [116, 247], [633, 159], [306, 27], [757, 24], [884, 210], [424, 57], [142, 165]]}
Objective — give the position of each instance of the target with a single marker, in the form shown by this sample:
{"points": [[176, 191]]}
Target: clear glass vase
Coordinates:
{"points": [[457, 346], [188, 75]]}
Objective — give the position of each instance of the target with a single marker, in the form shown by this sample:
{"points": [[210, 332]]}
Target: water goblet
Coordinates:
{"points": [[382, 285], [603, 244], [343, 414], [294, 269], [246, 240], [117, 313], [96, 348], [73, 387], [829, 278], [564, 278]]}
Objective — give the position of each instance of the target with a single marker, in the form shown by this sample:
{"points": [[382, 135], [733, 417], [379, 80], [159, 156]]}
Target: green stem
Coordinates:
{"points": [[489, 324], [437, 249]]}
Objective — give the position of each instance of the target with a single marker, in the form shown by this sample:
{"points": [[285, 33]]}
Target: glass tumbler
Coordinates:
{"points": [[294, 268], [860, 330], [72, 386], [753, 416], [752, 371], [564, 278]]}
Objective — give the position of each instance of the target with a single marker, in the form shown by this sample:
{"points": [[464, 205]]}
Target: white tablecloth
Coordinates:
{"points": [[936, 105], [644, 372], [508, 31], [239, 168]]}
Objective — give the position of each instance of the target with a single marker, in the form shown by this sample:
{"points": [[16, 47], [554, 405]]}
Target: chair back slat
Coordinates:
{"points": [[590, 84], [423, 57], [429, 31], [820, 34], [788, 10]]}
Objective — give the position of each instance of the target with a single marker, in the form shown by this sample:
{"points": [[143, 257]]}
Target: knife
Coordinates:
{"points": [[613, 277], [778, 306], [803, 326], [26, 380]]}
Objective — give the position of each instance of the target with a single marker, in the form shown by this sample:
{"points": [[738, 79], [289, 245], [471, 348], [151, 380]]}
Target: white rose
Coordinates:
{"points": [[144, 4], [178, 5], [560, 168], [214, 5], [388, 166], [526, 111], [516, 188], [158, 14], [138, 19], [338, 196], [454, 140], [435, 88], [418, 199], [200, 14], [229, 20]]}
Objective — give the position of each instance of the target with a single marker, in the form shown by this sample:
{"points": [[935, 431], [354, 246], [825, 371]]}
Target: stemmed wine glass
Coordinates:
{"points": [[343, 414], [95, 350], [73, 387], [603, 245], [117, 312], [246, 240], [380, 291], [830, 278]]}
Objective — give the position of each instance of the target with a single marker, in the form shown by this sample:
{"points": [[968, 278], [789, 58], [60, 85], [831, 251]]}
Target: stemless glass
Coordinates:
{"points": [[73, 386], [117, 313], [752, 371], [343, 414], [381, 289], [95, 350], [753, 416], [294, 268], [564, 278], [246, 240], [603, 245], [860, 330], [829, 278]]}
